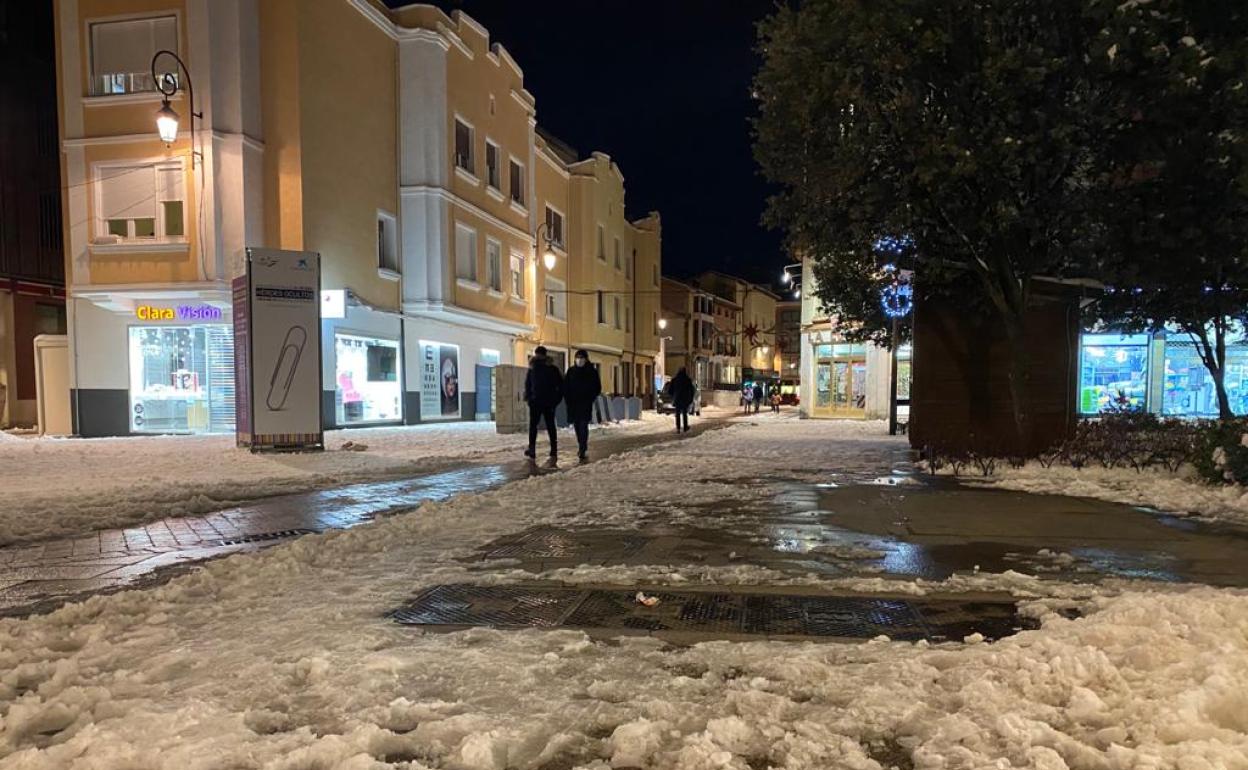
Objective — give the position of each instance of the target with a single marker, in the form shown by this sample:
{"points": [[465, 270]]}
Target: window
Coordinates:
{"points": [[493, 171], [615, 307], [145, 202], [494, 264], [628, 318], [463, 147], [602, 308], [181, 379], [556, 299], [387, 242], [554, 226], [516, 177], [366, 379], [654, 274], [616, 243], [602, 243], [1113, 371], [628, 378], [465, 253], [122, 51], [517, 275], [628, 265]]}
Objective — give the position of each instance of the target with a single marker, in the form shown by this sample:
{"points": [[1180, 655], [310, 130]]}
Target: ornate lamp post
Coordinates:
{"points": [[168, 84]]}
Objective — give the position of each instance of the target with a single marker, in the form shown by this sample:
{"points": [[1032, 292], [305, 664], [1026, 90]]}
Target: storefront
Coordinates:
{"points": [[1161, 373], [181, 378], [366, 378], [840, 380]]}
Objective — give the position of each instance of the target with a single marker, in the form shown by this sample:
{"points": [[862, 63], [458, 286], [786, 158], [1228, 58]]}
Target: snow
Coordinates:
{"points": [[55, 486], [1179, 493], [284, 659]]}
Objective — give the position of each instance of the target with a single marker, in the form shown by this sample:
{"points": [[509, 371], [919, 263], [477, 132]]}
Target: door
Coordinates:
{"points": [[840, 388]]}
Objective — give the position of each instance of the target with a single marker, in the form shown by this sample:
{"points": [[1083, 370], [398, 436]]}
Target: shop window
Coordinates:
{"points": [[122, 51], [182, 379], [490, 357], [465, 253], [904, 373], [366, 379], [141, 203], [1113, 372], [494, 264], [1189, 389]]}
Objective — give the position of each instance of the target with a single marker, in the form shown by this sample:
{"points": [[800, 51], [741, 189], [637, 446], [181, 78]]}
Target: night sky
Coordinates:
{"points": [[663, 88]]}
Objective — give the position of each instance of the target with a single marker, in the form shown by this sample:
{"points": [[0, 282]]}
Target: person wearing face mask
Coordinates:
{"points": [[581, 387]]}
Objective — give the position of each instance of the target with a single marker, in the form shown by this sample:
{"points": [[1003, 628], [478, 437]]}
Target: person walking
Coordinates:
{"points": [[682, 398], [758, 397], [543, 390], [747, 398], [775, 402], [581, 387]]}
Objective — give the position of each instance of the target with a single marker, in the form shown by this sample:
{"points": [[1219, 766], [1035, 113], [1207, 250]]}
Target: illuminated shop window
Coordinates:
{"points": [[1113, 372], [366, 379]]}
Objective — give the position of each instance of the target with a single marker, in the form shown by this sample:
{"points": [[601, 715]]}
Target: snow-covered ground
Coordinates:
{"points": [[1181, 493], [283, 659], [55, 486]]}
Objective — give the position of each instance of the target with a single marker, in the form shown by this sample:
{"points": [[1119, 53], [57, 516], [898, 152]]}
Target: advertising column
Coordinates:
{"points": [[278, 344]]}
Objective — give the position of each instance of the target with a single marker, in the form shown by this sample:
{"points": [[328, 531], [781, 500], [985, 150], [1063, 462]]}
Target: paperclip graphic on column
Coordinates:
{"points": [[284, 369]]}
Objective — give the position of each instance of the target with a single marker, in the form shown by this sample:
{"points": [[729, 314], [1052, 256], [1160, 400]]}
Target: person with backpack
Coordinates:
{"points": [[543, 390], [682, 390], [581, 388]]}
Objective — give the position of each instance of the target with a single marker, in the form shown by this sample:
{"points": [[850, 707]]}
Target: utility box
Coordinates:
{"points": [[52, 385], [511, 412]]}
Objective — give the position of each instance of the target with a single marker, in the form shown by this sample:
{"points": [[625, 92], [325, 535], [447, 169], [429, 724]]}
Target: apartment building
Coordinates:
{"points": [[32, 296], [400, 145], [789, 345]]}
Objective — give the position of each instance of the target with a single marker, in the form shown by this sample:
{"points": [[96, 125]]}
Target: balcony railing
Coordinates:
{"points": [[124, 83]]}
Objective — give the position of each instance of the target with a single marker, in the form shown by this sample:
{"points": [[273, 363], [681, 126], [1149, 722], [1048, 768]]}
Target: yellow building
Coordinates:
{"points": [[399, 145]]}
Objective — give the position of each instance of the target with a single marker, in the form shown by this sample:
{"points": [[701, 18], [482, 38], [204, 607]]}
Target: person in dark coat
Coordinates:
{"points": [[758, 397], [581, 387], [543, 390], [682, 398]]}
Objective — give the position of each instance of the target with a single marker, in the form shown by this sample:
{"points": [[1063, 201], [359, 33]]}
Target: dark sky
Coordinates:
{"points": [[663, 88]]}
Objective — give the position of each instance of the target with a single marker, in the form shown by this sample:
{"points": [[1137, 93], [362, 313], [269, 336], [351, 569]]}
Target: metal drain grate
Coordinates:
{"points": [[547, 543], [709, 613], [266, 536]]}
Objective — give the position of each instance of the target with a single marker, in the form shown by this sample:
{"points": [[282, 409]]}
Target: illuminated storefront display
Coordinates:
{"points": [[182, 379], [840, 380], [1113, 372], [367, 379], [1188, 386]]}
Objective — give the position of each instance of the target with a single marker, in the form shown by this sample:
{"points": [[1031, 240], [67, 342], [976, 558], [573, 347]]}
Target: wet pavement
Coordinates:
{"points": [[40, 576]]}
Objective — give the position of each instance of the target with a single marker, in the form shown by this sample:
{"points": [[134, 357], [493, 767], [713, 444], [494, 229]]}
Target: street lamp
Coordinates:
{"points": [[168, 84], [549, 258], [662, 324]]}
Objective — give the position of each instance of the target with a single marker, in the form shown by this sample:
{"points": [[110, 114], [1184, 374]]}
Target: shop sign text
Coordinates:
{"points": [[179, 313]]}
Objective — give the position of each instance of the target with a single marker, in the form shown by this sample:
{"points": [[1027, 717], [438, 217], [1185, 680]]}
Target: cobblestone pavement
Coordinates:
{"points": [[40, 576]]}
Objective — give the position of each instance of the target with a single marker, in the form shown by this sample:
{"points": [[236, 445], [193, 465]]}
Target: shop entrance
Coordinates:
{"points": [[840, 381]]}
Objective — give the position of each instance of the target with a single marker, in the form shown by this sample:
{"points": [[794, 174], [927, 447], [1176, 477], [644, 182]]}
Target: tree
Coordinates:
{"points": [[961, 124], [1173, 171]]}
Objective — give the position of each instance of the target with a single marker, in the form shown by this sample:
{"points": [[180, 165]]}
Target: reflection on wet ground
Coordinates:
{"points": [[906, 529]]}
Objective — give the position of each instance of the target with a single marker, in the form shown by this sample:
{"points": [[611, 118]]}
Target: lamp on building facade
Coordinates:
{"points": [[549, 258], [168, 83]]}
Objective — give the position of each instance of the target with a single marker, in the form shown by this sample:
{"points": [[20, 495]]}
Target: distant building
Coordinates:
{"points": [[789, 345], [32, 266]]}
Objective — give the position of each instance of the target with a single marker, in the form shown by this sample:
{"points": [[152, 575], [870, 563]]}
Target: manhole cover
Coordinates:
{"points": [[707, 612]]}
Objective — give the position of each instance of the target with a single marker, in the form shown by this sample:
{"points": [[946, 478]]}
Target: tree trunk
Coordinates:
{"points": [[1213, 356], [1020, 392]]}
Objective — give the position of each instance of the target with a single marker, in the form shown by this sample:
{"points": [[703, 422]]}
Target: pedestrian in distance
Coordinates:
{"points": [[775, 402], [747, 399], [682, 391], [581, 388], [758, 397], [543, 390]]}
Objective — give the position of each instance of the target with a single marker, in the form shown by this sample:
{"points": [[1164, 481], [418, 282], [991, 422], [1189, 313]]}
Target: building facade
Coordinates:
{"points": [[400, 145], [32, 275], [839, 378], [789, 346]]}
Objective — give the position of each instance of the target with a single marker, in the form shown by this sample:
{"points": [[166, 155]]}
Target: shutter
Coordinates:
{"points": [[128, 193]]}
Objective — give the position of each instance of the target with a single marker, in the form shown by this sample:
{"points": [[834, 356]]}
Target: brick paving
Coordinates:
{"points": [[43, 575]]}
